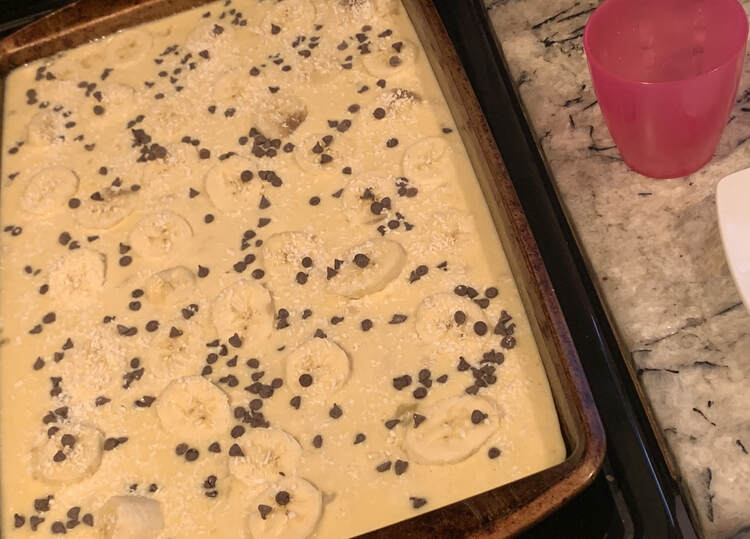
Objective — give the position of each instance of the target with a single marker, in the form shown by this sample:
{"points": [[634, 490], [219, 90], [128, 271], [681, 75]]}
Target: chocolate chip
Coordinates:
{"points": [[419, 393], [401, 382], [305, 380], [282, 497], [491, 292], [463, 365], [508, 342], [416, 503], [400, 466], [392, 423], [477, 416], [301, 277], [174, 332], [34, 522], [203, 271], [295, 402], [317, 441], [152, 325], [191, 454], [379, 113], [397, 319], [214, 447], [59, 456], [361, 260], [383, 466], [235, 341], [359, 438], [335, 412], [442, 379], [88, 519], [391, 142], [58, 528], [18, 520], [263, 509], [237, 431], [480, 328], [493, 452], [483, 302]]}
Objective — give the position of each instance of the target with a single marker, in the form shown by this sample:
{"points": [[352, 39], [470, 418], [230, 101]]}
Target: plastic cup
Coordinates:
{"points": [[666, 74]]}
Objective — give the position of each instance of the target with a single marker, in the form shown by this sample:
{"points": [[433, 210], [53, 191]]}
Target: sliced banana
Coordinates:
{"points": [[295, 507], [168, 358], [48, 190], [286, 254], [245, 308], [208, 35], [368, 268], [113, 208], [78, 275], [70, 455], [194, 409], [160, 234], [269, 455], [367, 198], [129, 47], [169, 286], [45, 128], [438, 323], [453, 430], [428, 162], [131, 517], [233, 186], [288, 15], [317, 368], [280, 115], [390, 58], [233, 85], [318, 153]]}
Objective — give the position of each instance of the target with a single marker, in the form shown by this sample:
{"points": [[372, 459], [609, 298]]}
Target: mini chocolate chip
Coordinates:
{"points": [[459, 317], [463, 365], [235, 341], [263, 509], [416, 503], [58, 528], [18, 520], [383, 466], [361, 260], [401, 382], [392, 423], [237, 431], [152, 325], [191, 454], [88, 519], [391, 142], [400, 466], [477, 416], [214, 447], [295, 402], [491, 292], [305, 380], [397, 319], [480, 328], [419, 393], [203, 271], [335, 412], [442, 379], [282, 497], [318, 441], [181, 449], [174, 332], [493, 452], [301, 277]]}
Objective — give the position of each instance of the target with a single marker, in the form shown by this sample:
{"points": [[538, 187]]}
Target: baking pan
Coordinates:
{"points": [[503, 511]]}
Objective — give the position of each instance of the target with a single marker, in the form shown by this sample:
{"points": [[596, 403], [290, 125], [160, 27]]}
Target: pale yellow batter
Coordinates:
{"points": [[250, 287]]}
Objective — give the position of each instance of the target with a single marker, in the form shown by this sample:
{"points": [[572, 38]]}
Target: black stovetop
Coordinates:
{"points": [[634, 495]]}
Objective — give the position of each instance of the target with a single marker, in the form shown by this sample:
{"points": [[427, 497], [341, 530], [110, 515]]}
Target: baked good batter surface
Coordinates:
{"points": [[250, 286]]}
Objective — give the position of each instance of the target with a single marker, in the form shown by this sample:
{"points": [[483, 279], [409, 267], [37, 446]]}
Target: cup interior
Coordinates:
{"points": [[664, 40]]}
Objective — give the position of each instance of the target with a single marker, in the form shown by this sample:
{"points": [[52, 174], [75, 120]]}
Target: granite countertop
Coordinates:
{"points": [[656, 256]]}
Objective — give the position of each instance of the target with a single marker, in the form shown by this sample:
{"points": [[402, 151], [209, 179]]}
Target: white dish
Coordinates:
{"points": [[733, 204]]}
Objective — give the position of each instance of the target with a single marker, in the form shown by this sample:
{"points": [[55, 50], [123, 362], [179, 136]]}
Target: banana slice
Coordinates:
{"points": [[428, 162], [318, 153], [233, 85], [317, 368], [232, 186], [128, 47], [390, 58], [169, 286], [78, 275], [160, 234], [367, 198], [45, 128], [368, 268], [269, 454], [114, 207], [131, 517], [289, 509], [287, 254], [208, 34], [70, 455], [366, 10], [280, 115], [438, 323], [194, 409], [49, 190], [168, 358], [453, 430], [288, 15], [245, 308]]}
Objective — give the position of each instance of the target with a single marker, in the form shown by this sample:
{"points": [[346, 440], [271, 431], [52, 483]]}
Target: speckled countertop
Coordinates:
{"points": [[656, 256]]}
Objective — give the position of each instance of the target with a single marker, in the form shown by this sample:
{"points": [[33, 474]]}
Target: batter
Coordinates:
{"points": [[250, 287]]}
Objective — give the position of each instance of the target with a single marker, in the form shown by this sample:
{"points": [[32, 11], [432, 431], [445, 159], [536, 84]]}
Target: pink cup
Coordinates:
{"points": [[666, 73]]}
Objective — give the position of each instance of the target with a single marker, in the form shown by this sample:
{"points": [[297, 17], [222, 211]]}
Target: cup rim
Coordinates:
{"points": [[591, 59]]}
